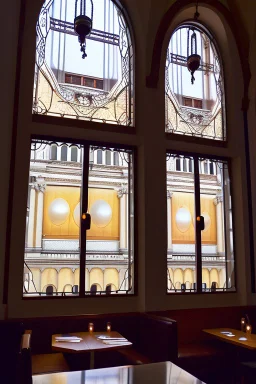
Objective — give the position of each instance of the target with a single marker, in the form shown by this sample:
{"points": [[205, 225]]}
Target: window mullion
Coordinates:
{"points": [[198, 247], [84, 208]]}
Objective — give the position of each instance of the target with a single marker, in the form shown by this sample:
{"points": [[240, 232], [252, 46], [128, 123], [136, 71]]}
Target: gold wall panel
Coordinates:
{"points": [[186, 200], [111, 231], [69, 229]]}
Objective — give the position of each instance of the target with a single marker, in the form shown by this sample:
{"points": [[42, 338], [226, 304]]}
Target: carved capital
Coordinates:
{"points": [[122, 191], [218, 199], [169, 194], [40, 187]]}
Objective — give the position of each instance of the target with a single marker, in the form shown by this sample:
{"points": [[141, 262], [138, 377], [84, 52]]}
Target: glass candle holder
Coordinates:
{"points": [[243, 324], [248, 329], [109, 327], [90, 327]]}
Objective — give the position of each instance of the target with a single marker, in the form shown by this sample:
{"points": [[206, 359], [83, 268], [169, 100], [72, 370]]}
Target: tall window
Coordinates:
{"points": [[200, 253], [74, 153], [194, 102], [66, 253], [98, 87]]}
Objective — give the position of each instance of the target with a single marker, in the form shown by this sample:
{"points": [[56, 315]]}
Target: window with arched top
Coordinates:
{"points": [[87, 76], [116, 158], [64, 153], [74, 154], [194, 84], [53, 152], [99, 156], [108, 158]]}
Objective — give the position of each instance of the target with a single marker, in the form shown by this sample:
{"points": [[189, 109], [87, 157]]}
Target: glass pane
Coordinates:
{"points": [[194, 104], [181, 265], [108, 158], [64, 153], [109, 245], [73, 154], [95, 86], [217, 237], [51, 260], [53, 152]]}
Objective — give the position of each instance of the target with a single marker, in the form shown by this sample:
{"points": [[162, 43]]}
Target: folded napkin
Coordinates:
{"points": [[115, 342], [68, 339], [111, 338]]}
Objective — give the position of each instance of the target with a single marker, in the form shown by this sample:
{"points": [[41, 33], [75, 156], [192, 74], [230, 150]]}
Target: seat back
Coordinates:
{"points": [[25, 363], [10, 338]]}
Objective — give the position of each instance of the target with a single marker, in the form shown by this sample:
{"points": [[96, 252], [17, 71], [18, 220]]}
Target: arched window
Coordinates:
{"points": [[108, 289], [64, 153], [53, 152], [74, 154], [185, 165], [178, 167], [95, 84], [194, 101], [211, 168], [108, 158], [99, 156], [116, 158]]}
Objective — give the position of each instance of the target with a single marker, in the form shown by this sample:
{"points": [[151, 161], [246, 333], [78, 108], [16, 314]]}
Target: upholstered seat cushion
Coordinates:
{"points": [[49, 363], [199, 350], [132, 356]]}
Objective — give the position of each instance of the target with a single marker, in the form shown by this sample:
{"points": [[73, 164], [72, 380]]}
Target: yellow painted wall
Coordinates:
{"points": [[186, 200], [69, 229]]}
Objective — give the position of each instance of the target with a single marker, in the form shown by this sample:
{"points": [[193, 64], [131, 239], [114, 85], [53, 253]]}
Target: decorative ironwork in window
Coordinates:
{"points": [[79, 232], [197, 108], [98, 88], [200, 255]]}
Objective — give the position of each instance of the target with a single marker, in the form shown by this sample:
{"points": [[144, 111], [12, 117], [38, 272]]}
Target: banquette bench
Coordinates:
{"points": [[198, 353], [154, 339]]}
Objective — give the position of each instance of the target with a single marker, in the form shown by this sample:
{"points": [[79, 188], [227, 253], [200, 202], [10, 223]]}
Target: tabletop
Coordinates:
{"points": [[239, 338], [160, 373], [88, 343]]}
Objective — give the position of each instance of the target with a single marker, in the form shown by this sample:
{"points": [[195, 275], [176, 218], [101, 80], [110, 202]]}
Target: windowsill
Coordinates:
{"points": [[196, 140], [200, 293], [74, 296]]}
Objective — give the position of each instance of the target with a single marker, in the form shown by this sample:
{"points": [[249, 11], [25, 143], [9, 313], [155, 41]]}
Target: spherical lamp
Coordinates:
{"points": [[183, 219], [101, 213], [58, 211]]}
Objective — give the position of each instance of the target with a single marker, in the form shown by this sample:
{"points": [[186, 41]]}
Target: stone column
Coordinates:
{"points": [[31, 217], [169, 220], [122, 195], [218, 201], [40, 187]]}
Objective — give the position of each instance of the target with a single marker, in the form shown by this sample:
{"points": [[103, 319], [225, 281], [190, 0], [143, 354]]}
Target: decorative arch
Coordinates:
{"points": [[241, 40]]}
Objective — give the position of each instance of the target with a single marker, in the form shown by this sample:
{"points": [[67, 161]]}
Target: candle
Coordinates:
{"points": [[90, 327], [109, 327], [248, 329], [243, 324]]}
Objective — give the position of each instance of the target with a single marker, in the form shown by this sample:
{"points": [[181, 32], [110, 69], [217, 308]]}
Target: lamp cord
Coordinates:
{"points": [[197, 14]]}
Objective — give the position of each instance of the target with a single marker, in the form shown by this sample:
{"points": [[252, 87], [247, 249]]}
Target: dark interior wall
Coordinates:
{"points": [[150, 138]]}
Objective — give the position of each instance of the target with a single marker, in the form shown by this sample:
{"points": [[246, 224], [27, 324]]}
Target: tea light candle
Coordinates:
{"points": [[248, 328], [243, 324], [109, 327], [90, 327]]}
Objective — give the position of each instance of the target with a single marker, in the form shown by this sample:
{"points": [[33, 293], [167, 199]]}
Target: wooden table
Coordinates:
{"points": [[158, 373], [249, 343], [89, 343]]}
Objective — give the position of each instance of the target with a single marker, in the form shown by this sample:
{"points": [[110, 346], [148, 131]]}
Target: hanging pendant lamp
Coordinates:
{"points": [[193, 59], [83, 22]]}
